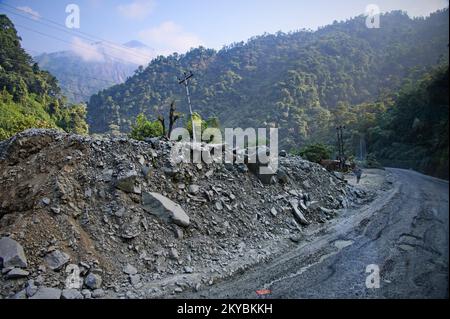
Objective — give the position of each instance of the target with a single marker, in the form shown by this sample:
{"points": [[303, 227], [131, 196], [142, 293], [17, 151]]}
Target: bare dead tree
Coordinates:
{"points": [[162, 121], [173, 117]]}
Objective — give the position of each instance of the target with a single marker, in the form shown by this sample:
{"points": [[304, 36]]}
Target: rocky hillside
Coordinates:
{"points": [[85, 217]]}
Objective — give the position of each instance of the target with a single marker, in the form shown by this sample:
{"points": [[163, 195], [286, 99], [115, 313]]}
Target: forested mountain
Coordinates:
{"points": [[413, 133], [80, 78], [300, 82], [30, 97]]}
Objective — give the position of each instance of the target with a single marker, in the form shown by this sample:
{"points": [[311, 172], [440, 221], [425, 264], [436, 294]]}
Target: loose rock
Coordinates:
{"points": [[130, 270], [194, 189], [98, 293], [12, 254], [16, 273], [57, 259], [93, 281], [298, 214], [71, 294], [47, 293], [163, 207], [127, 182]]}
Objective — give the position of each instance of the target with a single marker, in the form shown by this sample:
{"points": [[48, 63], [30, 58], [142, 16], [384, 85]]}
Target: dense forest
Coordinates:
{"points": [[413, 133], [407, 128], [30, 97], [296, 81]]}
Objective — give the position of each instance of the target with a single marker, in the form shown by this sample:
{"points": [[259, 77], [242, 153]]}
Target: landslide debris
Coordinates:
{"points": [[94, 217]]}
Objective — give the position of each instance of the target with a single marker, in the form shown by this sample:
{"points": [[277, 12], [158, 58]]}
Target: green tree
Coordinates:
{"points": [[30, 97], [143, 128], [315, 152]]}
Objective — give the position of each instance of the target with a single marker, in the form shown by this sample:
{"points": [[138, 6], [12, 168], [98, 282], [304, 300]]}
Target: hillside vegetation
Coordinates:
{"points": [[30, 97], [307, 83], [297, 81], [413, 133]]}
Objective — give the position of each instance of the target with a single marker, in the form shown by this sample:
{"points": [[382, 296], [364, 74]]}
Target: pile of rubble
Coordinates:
{"points": [[93, 217]]}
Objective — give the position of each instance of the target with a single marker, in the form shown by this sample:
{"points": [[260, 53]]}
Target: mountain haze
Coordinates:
{"points": [[88, 69]]}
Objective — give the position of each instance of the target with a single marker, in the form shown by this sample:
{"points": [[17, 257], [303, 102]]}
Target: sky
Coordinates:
{"points": [[168, 26]]}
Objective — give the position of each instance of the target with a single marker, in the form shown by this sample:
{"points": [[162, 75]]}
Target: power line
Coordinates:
{"points": [[62, 28], [185, 81], [62, 40]]}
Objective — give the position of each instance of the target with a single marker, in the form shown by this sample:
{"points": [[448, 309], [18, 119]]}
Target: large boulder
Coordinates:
{"points": [[47, 293], [11, 254], [159, 205]]}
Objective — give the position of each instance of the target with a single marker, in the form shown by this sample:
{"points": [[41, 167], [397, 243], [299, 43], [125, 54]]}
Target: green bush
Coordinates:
{"points": [[315, 152], [143, 128], [199, 124], [15, 117]]}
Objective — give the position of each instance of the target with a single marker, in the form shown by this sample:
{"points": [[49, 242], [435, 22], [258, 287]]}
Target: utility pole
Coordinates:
{"points": [[340, 136], [185, 80], [338, 145]]}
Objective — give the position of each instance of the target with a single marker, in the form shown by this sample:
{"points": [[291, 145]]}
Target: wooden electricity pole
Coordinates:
{"points": [[340, 137], [185, 80]]}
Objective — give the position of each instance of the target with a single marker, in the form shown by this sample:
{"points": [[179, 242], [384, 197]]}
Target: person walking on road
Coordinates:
{"points": [[358, 172]]}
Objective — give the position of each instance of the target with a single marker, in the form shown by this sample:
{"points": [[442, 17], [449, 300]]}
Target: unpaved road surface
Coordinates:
{"points": [[404, 233]]}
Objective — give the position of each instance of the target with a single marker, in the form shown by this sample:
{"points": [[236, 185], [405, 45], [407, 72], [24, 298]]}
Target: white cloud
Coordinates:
{"points": [[169, 37], [86, 51], [33, 14], [103, 52], [139, 56], [138, 9]]}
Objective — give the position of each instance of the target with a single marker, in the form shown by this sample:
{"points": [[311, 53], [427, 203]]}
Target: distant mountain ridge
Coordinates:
{"points": [[104, 65]]}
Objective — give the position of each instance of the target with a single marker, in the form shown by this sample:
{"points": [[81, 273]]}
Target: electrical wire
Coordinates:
{"points": [[80, 34]]}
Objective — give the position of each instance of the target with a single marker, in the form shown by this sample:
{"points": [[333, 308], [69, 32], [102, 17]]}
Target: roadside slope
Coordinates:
{"points": [[404, 232], [90, 203]]}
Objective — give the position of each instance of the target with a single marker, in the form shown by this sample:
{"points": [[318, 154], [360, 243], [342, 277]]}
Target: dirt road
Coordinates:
{"points": [[402, 236]]}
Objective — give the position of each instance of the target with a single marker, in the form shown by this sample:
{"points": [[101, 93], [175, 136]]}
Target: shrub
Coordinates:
{"points": [[143, 128], [316, 152]]}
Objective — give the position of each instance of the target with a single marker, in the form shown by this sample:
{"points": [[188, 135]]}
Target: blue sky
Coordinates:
{"points": [[176, 25]]}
